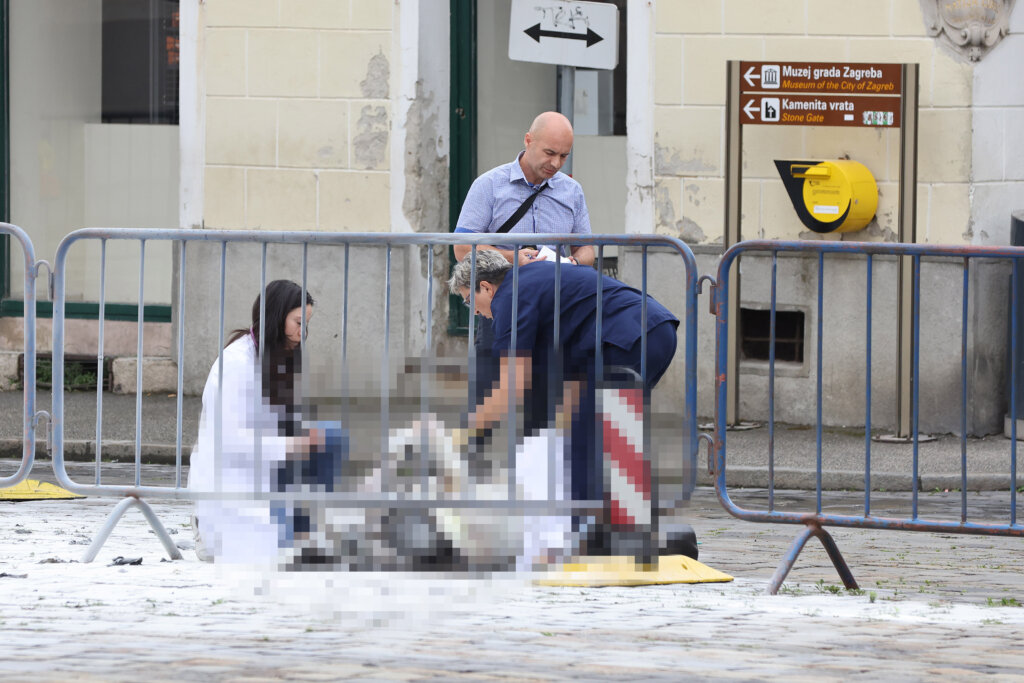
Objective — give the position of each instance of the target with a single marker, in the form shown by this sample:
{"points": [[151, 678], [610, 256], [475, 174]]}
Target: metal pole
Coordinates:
{"points": [[385, 387], [907, 233], [99, 360], [963, 390], [138, 363], [733, 211], [868, 295], [345, 402], [771, 381], [566, 101], [818, 373], [261, 363], [513, 361], [182, 265]]}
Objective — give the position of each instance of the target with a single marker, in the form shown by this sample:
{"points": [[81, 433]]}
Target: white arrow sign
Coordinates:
{"points": [[564, 32], [750, 77], [751, 108]]}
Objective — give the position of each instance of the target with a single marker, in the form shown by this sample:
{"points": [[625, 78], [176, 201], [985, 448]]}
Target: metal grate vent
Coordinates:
{"points": [[755, 335]]}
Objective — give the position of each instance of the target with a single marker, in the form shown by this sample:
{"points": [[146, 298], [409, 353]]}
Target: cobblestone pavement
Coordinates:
{"points": [[931, 605]]}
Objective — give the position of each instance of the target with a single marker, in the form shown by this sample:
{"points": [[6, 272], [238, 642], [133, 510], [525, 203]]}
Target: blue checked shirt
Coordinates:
{"points": [[496, 195]]}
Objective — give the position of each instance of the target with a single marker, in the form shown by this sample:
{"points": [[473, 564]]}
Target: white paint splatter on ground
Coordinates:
{"points": [[188, 620]]}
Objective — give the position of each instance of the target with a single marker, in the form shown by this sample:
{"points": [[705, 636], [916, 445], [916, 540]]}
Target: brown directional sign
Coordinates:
{"points": [[826, 78], [819, 110]]}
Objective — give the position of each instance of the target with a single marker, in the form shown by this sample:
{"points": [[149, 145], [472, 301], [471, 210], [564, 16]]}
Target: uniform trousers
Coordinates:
{"points": [[587, 464]]}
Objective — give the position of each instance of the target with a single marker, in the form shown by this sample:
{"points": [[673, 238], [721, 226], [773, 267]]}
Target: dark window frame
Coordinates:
{"points": [[790, 335], [141, 57], [463, 128], [12, 307]]}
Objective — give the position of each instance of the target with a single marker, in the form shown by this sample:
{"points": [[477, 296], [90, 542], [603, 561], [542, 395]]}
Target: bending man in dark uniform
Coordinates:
{"points": [[546, 381]]}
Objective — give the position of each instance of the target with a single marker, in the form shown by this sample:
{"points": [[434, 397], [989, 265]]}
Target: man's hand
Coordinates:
{"points": [[471, 441], [584, 255], [526, 256], [459, 437]]}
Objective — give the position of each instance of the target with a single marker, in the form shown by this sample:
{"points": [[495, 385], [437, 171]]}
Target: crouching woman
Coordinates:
{"points": [[250, 426]]}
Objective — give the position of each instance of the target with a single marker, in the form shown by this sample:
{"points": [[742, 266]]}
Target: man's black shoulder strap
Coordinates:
{"points": [[521, 211]]}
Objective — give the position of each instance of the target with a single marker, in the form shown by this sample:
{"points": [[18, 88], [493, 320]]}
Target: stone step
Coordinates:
{"points": [[159, 373]]}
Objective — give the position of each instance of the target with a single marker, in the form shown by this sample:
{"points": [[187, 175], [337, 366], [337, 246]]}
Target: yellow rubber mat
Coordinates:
{"points": [[30, 489], [623, 571]]}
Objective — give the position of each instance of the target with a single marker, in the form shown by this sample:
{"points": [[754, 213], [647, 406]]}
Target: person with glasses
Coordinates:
{"points": [[542, 371]]}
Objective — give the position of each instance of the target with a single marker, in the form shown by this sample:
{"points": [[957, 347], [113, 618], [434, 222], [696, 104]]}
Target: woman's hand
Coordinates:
{"points": [[316, 438], [312, 441]]}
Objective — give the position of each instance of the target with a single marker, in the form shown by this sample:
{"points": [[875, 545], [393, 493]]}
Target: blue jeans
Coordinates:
{"points": [[320, 468]]}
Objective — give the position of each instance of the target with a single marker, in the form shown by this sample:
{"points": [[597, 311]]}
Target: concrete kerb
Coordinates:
{"points": [[843, 449], [85, 451], [742, 477], [791, 479]]}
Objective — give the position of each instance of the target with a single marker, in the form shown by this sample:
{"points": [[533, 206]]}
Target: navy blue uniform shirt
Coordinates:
{"points": [[620, 315], [620, 323]]}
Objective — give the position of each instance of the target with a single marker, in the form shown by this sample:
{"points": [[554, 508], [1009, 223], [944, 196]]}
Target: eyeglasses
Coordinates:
{"points": [[465, 302]]}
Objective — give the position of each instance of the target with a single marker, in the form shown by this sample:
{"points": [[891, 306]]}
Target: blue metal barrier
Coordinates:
{"points": [[182, 239], [816, 520], [30, 417]]}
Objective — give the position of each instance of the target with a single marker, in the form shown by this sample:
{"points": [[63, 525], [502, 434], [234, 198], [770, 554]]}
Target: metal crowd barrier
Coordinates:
{"points": [[183, 242], [815, 520], [30, 417]]}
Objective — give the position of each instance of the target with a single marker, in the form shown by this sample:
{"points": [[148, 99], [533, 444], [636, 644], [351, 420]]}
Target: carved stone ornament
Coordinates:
{"points": [[970, 27]]}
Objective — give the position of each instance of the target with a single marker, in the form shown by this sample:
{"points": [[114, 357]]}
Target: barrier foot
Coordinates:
{"points": [[812, 529], [115, 517]]}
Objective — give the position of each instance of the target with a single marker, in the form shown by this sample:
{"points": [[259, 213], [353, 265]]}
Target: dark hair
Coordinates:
{"points": [[283, 297], [278, 363]]}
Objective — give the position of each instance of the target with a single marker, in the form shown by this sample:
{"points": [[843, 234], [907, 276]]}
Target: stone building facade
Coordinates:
{"points": [[336, 115]]}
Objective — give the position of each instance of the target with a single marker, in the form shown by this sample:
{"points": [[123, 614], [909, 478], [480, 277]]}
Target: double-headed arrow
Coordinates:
{"points": [[536, 32]]}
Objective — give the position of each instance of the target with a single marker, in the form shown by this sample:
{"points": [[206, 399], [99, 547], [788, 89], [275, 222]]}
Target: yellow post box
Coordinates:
{"points": [[830, 196]]}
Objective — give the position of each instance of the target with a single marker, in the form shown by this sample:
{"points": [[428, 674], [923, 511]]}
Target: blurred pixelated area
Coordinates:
{"points": [[372, 496]]}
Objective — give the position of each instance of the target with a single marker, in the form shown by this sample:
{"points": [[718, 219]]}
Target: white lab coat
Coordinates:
{"points": [[234, 528]]}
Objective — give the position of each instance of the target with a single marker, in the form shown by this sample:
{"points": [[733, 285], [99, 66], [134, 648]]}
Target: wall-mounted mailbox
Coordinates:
{"points": [[830, 196]]}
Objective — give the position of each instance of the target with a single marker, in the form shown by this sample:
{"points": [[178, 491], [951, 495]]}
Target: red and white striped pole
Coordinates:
{"points": [[627, 472]]}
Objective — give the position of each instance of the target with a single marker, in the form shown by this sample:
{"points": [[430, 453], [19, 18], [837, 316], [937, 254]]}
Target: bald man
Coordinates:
{"points": [[559, 209]]}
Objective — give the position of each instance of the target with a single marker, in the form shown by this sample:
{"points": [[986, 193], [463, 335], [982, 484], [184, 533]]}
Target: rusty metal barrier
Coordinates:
{"points": [[30, 417], [216, 278], [816, 520]]}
